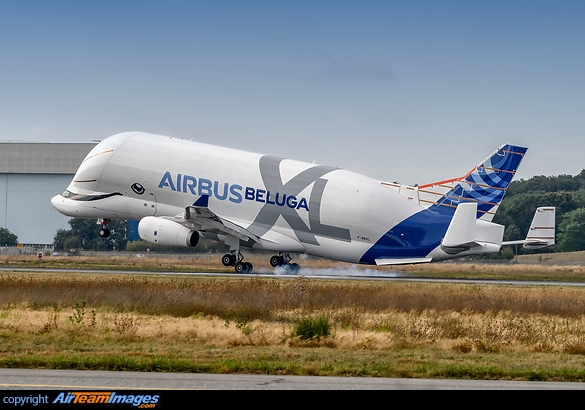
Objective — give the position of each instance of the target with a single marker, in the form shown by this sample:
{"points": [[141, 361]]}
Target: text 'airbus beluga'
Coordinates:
{"points": [[180, 189]]}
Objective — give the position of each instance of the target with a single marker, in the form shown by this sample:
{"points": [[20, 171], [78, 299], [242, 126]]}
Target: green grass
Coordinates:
{"points": [[308, 327], [411, 363]]}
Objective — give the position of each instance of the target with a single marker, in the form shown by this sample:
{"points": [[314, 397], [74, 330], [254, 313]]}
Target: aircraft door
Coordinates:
{"points": [[153, 204]]}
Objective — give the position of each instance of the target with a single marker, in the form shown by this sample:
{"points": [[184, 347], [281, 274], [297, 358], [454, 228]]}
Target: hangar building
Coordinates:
{"points": [[30, 175]]}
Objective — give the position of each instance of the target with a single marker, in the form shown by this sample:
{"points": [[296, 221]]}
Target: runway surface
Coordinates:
{"points": [[102, 380], [333, 274]]}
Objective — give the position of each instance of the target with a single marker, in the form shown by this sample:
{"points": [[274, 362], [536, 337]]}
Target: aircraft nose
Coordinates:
{"points": [[57, 202]]}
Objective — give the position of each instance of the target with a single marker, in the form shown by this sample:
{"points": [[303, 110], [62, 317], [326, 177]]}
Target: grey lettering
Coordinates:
{"points": [[268, 215]]}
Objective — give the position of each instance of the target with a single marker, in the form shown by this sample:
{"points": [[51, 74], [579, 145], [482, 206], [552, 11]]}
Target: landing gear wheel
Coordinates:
{"points": [[104, 231], [240, 267], [228, 260], [276, 261], [291, 268], [283, 261], [244, 267]]}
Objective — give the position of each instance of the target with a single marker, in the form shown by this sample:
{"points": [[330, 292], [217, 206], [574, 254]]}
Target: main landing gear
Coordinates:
{"points": [[104, 231], [235, 259], [282, 260]]}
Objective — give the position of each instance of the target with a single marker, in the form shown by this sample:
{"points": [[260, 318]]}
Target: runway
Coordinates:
{"points": [[332, 274], [32, 379]]}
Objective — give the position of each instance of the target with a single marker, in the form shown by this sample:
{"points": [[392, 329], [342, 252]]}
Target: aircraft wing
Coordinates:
{"points": [[200, 218]]}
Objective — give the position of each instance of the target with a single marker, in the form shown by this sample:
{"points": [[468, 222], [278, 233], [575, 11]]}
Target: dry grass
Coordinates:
{"points": [[448, 331], [239, 312], [260, 298]]}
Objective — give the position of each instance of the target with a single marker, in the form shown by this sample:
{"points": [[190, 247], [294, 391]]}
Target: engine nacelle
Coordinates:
{"points": [[165, 232]]}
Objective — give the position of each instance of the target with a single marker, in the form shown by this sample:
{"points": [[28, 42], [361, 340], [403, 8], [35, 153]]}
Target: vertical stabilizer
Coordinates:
{"points": [[485, 184]]}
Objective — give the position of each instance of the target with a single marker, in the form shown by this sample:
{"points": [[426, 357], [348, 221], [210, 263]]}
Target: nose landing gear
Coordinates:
{"points": [[104, 231]]}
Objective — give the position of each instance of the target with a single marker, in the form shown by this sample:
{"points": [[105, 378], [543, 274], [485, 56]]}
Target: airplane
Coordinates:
{"points": [[180, 190]]}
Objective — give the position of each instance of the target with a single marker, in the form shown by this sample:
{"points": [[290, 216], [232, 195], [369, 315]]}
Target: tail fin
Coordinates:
{"points": [[485, 184], [542, 230]]}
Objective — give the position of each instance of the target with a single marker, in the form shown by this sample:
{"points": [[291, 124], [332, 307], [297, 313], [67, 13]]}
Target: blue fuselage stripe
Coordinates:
{"points": [[415, 237]]}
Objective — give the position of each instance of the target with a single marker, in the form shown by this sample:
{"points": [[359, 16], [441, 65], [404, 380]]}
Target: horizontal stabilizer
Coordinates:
{"points": [[542, 230]]}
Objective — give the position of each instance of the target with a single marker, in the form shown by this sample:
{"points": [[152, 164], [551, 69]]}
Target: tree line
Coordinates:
{"points": [[565, 192]]}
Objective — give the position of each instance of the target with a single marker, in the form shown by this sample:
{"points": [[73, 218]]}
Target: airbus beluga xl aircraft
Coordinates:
{"points": [[180, 189]]}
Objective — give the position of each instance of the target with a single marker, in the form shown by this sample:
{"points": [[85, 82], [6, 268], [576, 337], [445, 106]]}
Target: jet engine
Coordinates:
{"points": [[166, 232]]}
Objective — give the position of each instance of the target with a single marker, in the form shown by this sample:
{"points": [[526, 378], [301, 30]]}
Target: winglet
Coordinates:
{"points": [[203, 201]]}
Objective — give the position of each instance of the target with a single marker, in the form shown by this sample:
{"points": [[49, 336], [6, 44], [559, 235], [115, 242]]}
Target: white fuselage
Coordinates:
{"points": [[291, 206]]}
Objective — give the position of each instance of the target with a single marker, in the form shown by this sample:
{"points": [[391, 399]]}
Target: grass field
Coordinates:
{"points": [[250, 325]]}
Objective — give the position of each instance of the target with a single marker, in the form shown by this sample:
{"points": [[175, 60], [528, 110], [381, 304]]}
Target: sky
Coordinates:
{"points": [[412, 91]]}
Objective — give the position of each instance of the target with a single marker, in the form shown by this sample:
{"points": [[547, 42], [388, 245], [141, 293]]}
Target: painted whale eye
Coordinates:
{"points": [[136, 187]]}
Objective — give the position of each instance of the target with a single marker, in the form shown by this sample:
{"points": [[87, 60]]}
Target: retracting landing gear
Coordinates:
{"points": [[282, 260], [235, 259], [104, 231]]}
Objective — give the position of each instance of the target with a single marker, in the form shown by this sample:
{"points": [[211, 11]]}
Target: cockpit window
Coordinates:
{"points": [[80, 197]]}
